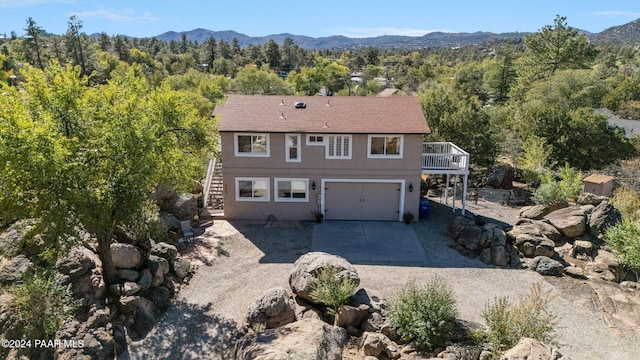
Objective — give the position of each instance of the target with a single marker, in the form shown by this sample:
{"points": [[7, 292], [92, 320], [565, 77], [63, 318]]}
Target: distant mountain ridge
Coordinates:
{"points": [[627, 34]]}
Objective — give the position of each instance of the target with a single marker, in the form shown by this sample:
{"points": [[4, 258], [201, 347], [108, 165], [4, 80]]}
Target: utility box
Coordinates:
{"points": [[596, 184]]}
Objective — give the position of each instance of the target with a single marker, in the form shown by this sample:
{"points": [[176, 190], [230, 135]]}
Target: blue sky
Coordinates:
{"points": [[145, 18]]}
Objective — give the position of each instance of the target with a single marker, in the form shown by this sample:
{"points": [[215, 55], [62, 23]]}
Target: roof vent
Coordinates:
{"points": [[300, 105]]}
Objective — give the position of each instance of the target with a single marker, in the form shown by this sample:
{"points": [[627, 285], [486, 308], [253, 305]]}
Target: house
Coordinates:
{"points": [[597, 184], [349, 158]]}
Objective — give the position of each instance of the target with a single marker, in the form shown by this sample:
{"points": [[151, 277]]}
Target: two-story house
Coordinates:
{"points": [[349, 158]]}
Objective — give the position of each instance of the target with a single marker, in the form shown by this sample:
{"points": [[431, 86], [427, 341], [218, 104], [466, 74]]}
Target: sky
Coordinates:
{"points": [[352, 18]]}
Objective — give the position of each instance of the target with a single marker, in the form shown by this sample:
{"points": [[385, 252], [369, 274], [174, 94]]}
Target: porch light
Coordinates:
{"points": [[410, 187], [313, 185]]}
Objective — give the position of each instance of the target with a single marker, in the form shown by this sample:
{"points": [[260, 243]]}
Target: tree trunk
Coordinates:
{"points": [[104, 248]]}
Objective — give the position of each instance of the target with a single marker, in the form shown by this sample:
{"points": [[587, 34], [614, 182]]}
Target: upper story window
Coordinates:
{"points": [[338, 147], [385, 146], [315, 139], [251, 144], [292, 147]]}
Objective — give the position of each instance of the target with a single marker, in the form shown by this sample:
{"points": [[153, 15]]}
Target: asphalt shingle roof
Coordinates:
{"points": [[334, 114]]}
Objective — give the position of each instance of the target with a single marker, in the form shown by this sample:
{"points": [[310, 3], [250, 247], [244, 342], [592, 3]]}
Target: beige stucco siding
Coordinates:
{"points": [[315, 168]]}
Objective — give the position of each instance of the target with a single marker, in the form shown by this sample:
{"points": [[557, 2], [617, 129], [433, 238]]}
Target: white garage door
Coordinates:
{"points": [[362, 201]]}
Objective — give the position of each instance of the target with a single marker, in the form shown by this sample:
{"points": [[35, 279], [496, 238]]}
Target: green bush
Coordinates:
{"points": [[567, 189], [627, 200], [43, 304], [624, 237], [331, 289], [529, 317], [424, 314]]}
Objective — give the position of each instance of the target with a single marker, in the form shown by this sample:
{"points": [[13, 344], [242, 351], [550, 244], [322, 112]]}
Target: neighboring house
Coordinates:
{"points": [[349, 158]]}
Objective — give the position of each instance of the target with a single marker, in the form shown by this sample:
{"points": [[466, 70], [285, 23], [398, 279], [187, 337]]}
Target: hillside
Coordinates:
{"points": [[627, 34]]}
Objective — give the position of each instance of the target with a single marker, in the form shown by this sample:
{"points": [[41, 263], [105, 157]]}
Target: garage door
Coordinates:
{"points": [[362, 201]]}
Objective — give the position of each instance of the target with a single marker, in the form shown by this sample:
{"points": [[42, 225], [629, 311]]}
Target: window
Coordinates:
{"points": [[339, 147], [292, 190], [247, 144], [292, 150], [252, 189], [315, 139], [385, 146]]}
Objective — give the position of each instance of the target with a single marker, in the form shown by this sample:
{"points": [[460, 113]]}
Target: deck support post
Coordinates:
{"points": [[464, 193]]}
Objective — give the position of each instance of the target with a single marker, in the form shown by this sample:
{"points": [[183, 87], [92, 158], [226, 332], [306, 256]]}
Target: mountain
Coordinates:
{"points": [[627, 34], [434, 39]]}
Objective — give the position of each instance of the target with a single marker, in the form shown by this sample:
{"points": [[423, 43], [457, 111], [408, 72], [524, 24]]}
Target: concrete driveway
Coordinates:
{"points": [[369, 242]]}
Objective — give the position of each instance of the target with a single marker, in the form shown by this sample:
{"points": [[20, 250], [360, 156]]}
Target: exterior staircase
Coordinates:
{"points": [[215, 195]]}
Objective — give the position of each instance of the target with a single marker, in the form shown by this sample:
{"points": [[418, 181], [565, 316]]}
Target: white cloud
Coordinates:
{"points": [[28, 3], [615, 14], [373, 32], [119, 16]]}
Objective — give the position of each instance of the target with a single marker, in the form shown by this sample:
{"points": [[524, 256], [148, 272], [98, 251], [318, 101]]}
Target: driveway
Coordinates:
{"points": [[369, 242]]}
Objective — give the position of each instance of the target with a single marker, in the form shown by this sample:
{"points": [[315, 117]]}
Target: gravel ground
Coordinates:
{"points": [[258, 256]]}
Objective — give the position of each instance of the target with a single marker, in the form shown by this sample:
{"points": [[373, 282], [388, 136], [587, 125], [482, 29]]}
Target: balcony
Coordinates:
{"points": [[444, 158]]}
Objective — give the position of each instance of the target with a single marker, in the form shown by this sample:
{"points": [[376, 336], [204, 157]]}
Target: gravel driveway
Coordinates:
{"points": [[258, 256]]}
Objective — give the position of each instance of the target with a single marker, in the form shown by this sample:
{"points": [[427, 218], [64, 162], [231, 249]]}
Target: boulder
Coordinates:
{"points": [[538, 212], [570, 221], [182, 206], [546, 266], [165, 251], [373, 323], [351, 316], [528, 348], [305, 310], [11, 237], [603, 216], [125, 256], [127, 274], [586, 198], [574, 272], [161, 296], [502, 177], [529, 238], [540, 227], [14, 270], [308, 266], [181, 267], [77, 263], [169, 221], [374, 344], [306, 339], [464, 231], [89, 286], [143, 313], [272, 309], [159, 267], [582, 248], [375, 301]]}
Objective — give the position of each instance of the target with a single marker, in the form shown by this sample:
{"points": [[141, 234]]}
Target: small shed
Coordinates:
{"points": [[598, 184]]}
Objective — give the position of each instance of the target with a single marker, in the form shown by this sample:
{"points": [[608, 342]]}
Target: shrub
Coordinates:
{"points": [[567, 189], [43, 304], [424, 314], [627, 200], [332, 290], [529, 317], [623, 237]]}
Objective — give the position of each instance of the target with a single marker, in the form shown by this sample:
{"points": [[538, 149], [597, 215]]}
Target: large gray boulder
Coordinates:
{"points": [[528, 348], [603, 216], [272, 309], [538, 212], [502, 177], [530, 237], [546, 266], [306, 339], [14, 270], [125, 256], [182, 206], [77, 263], [308, 267], [570, 221]]}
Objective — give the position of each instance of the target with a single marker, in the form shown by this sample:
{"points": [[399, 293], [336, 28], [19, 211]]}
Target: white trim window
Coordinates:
{"points": [[252, 189], [385, 146], [338, 147], [251, 144], [292, 148], [316, 139], [291, 189]]}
